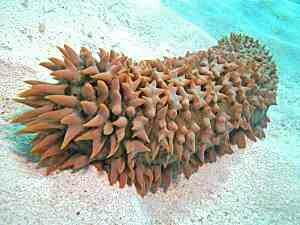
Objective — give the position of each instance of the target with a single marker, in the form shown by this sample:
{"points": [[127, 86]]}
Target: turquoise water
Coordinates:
{"points": [[276, 24]]}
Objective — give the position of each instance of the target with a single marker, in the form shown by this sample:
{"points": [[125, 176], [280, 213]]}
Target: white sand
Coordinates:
{"points": [[249, 187]]}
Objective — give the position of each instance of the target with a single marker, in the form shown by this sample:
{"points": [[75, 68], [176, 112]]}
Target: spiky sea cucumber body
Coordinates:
{"points": [[149, 121]]}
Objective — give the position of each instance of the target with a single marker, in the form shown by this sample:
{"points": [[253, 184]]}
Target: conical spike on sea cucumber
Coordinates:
{"points": [[72, 55], [64, 100], [71, 133]]}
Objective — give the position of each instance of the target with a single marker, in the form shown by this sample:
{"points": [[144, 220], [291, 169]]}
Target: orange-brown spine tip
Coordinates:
{"points": [[63, 100]]}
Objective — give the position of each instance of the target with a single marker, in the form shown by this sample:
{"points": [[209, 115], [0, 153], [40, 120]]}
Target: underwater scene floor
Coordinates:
{"points": [[256, 186]]}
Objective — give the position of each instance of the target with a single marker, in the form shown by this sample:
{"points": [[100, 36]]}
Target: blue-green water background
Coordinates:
{"points": [[277, 24]]}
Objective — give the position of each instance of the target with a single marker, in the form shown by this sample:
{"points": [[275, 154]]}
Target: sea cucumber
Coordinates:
{"points": [[146, 122]]}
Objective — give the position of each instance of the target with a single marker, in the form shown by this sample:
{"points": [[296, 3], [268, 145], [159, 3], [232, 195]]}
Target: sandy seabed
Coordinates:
{"points": [[255, 186]]}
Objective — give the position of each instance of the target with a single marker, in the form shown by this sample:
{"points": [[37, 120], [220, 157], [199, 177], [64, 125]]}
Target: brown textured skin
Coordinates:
{"points": [[146, 122]]}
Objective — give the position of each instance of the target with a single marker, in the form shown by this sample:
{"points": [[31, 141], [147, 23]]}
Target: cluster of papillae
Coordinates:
{"points": [[146, 122]]}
